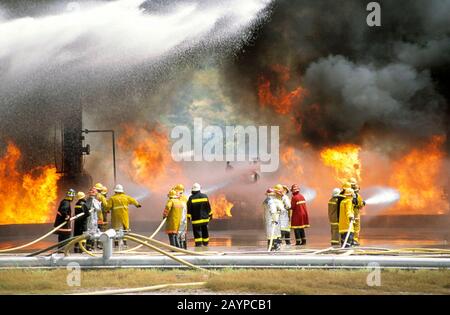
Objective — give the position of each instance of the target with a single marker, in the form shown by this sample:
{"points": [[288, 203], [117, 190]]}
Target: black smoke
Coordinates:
{"points": [[388, 82]]}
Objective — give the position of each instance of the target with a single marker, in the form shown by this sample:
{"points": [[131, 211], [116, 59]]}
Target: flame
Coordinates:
{"points": [[345, 161], [292, 165], [282, 101], [221, 207], [150, 161], [26, 198], [416, 177]]}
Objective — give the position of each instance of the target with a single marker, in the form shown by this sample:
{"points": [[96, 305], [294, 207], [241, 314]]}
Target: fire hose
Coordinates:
{"points": [[271, 238], [142, 289], [155, 242], [42, 237], [181, 261], [350, 227], [152, 236], [60, 244]]}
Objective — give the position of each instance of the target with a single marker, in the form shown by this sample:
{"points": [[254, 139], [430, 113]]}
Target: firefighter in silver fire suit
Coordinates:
{"points": [[272, 209], [285, 218]]}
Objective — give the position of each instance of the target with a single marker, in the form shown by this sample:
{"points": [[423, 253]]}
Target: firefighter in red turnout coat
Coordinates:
{"points": [[299, 220]]}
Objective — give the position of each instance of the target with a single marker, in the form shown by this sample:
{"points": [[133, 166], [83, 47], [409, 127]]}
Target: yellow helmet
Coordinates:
{"points": [[172, 194], [286, 189], [346, 185], [353, 181], [179, 188], [348, 192], [99, 186], [279, 189], [80, 195], [105, 190]]}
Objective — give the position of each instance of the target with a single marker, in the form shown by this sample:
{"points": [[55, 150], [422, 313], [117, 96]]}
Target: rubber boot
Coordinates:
{"points": [[287, 237], [298, 237], [277, 244], [172, 240], [183, 244]]}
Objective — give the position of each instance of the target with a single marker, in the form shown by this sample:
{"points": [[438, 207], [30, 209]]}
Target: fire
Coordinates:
{"points": [[150, 158], [221, 207], [416, 177], [26, 198], [283, 100], [345, 161], [292, 164]]}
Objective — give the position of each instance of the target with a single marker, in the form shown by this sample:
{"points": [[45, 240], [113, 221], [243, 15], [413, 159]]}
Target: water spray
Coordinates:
{"points": [[309, 193], [382, 195]]}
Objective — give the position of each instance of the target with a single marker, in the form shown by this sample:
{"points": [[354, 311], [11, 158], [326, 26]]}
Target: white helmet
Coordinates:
{"points": [[196, 187], [336, 192], [118, 189]]}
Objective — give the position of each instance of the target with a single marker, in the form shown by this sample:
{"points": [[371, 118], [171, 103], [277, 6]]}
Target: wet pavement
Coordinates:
{"points": [[252, 240]]}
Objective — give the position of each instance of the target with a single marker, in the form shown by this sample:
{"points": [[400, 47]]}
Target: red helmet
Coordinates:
{"points": [[270, 191], [295, 188]]}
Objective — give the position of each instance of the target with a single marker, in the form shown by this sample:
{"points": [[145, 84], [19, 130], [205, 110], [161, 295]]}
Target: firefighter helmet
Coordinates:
{"points": [[172, 194], [295, 188], [196, 187], [118, 189], [99, 186], [71, 193], [349, 192], [336, 192], [179, 188], [81, 195]]}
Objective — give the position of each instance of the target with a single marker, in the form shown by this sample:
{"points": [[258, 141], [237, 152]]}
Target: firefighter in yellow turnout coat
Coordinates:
{"points": [[118, 205], [333, 217], [173, 211], [182, 230], [346, 216], [358, 204]]}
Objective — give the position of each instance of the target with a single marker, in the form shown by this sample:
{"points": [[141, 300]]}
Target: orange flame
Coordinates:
{"points": [[416, 177], [221, 207], [282, 101], [26, 198], [292, 165], [345, 161], [151, 161]]}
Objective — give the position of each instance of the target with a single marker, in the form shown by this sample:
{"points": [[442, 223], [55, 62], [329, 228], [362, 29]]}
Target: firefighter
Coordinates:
{"points": [[80, 224], [63, 215], [285, 224], [173, 211], [333, 217], [358, 204], [300, 220], [182, 231], [346, 217], [100, 197], [104, 208], [118, 206], [95, 207], [199, 212], [272, 209]]}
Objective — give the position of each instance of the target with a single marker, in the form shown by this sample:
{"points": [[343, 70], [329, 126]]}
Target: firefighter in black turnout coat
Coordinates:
{"points": [[199, 212], [63, 215]]}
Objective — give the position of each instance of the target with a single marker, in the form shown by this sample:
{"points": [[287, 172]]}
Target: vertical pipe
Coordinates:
{"points": [[114, 156]]}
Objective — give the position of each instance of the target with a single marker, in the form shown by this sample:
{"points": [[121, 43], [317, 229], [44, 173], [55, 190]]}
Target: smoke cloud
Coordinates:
{"points": [[391, 79]]}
